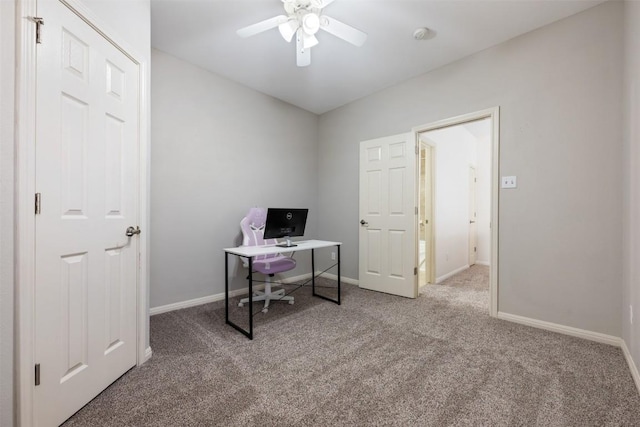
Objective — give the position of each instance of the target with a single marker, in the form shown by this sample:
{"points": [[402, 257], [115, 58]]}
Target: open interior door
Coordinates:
{"points": [[388, 215], [87, 169]]}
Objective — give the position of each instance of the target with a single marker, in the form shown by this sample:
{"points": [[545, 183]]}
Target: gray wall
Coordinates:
{"points": [[560, 95], [218, 149], [631, 288], [7, 61]]}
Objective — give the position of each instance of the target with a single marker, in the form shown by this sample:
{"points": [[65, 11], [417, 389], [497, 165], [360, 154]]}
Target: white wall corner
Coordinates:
{"points": [[451, 273], [632, 365]]}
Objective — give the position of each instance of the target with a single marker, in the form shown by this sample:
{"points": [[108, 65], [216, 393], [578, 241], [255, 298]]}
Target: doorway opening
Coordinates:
{"points": [[457, 204]]}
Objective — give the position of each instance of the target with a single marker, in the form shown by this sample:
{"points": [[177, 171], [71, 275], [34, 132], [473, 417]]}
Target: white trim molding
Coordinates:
{"points": [[494, 115], [562, 329], [219, 297], [239, 292], [579, 333], [198, 301], [451, 273], [343, 279], [25, 223], [147, 354], [632, 365]]}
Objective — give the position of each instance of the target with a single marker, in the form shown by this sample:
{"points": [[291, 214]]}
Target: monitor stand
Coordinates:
{"points": [[287, 243]]}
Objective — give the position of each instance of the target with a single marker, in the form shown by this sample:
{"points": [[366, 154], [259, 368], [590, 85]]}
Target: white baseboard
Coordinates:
{"points": [[296, 278], [632, 366], [217, 297], [194, 302], [452, 273], [580, 333], [343, 279], [147, 354], [483, 263], [562, 329]]}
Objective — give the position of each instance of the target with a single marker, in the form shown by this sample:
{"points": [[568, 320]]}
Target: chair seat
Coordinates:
{"points": [[274, 265]]}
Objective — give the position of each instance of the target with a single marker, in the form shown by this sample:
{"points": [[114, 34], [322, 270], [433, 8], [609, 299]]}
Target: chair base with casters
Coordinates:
{"points": [[267, 296]]}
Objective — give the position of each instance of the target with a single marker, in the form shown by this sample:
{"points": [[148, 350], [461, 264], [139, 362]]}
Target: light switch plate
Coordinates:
{"points": [[509, 182]]}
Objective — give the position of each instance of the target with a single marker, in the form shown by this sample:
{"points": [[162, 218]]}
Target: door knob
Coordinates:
{"points": [[363, 222], [131, 231]]}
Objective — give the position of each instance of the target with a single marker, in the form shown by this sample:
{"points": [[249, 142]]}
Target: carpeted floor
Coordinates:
{"points": [[438, 360]]}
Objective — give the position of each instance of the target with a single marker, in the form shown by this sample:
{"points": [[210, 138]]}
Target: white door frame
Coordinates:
{"points": [[25, 193], [494, 115], [432, 247], [473, 191]]}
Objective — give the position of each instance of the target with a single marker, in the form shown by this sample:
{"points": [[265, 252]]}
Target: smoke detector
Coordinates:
{"points": [[422, 33]]}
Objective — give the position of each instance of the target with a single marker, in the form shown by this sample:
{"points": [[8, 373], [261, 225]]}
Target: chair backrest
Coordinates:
{"points": [[252, 226]]}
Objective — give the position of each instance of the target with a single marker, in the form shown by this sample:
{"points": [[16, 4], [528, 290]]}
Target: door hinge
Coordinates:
{"points": [[475, 249], [37, 374], [37, 204], [415, 271], [417, 150], [416, 210], [39, 23]]}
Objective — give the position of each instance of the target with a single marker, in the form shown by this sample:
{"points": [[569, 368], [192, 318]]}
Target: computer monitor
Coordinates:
{"points": [[285, 223]]}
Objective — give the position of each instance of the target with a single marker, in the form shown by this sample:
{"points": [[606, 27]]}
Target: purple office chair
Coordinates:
{"points": [[252, 227]]}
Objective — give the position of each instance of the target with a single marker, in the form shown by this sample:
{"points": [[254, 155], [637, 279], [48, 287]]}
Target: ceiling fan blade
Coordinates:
{"points": [[261, 26], [303, 56], [343, 31]]}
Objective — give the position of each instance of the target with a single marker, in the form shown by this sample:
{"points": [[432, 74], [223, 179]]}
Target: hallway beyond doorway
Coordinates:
{"points": [[467, 288]]}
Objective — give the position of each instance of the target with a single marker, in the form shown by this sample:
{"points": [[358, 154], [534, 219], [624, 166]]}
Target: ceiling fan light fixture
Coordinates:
{"points": [[288, 29], [311, 23], [309, 41]]}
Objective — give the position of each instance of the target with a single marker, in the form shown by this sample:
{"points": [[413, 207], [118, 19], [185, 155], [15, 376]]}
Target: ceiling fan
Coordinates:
{"points": [[304, 18]]}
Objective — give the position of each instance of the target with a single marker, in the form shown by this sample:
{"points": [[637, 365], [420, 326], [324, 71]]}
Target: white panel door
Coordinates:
{"points": [[87, 174], [388, 215]]}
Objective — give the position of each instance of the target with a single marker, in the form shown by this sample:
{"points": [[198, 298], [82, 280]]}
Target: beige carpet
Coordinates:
{"points": [[438, 360], [467, 288]]}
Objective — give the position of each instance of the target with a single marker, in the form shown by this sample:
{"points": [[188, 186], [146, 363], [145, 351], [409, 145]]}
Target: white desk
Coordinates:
{"points": [[250, 252]]}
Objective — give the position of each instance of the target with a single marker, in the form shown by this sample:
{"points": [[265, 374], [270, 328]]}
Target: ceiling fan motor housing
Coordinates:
{"points": [[293, 6]]}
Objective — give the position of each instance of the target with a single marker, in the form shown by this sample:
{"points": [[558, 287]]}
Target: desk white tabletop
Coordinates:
{"points": [[304, 245]]}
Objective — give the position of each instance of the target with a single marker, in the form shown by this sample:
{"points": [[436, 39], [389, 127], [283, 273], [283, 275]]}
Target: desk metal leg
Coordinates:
{"points": [[250, 298], [226, 287], [313, 272], [249, 333], [313, 278], [338, 246]]}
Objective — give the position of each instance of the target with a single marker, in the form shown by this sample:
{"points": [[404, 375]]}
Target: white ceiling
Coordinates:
{"points": [[203, 32]]}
